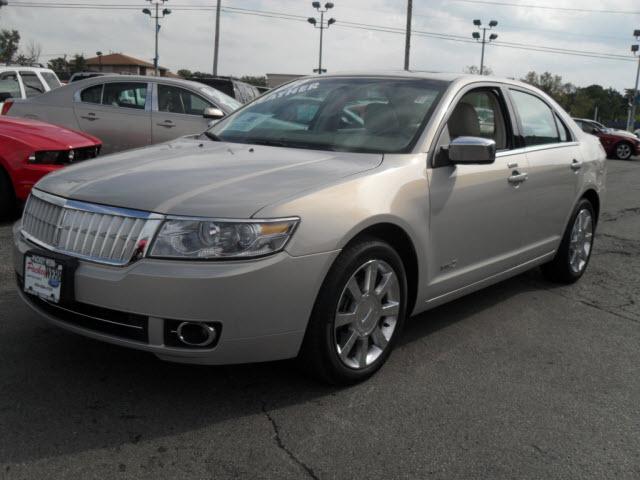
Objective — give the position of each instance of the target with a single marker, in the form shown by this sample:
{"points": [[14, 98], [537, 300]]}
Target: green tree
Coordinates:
{"points": [[473, 70], [78, 64], [184, 73], [59, 65], [258, 81], [9, 43]]}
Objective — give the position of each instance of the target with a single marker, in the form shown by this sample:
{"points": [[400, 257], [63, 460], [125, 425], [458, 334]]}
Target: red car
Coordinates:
{"points": [[30, 149], [617, 143]]}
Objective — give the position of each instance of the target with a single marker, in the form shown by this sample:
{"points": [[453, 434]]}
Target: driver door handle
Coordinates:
{"points": [[91, 117], [517, 178], [576, 165], [166, 124]]}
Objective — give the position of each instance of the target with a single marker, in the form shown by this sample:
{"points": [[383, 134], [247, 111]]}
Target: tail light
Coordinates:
{"points": [[6, 106]]}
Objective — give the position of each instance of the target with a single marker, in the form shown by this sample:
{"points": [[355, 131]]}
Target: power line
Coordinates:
{"points": [[546, 7], [340, 24]]}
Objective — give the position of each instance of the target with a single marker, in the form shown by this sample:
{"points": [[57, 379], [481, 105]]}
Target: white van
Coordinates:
{"points": [[17, 81]]}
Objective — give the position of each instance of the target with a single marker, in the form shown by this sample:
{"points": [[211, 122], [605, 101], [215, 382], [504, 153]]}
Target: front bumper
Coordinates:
{"points": [[262, 305]]}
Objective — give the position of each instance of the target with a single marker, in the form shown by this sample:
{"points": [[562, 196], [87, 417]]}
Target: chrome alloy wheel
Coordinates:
{"points": [[581, 241], [367, 314], [623, 151]]}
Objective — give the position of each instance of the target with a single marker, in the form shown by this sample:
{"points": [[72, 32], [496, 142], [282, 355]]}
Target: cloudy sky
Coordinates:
{"points": [[257, 45]]}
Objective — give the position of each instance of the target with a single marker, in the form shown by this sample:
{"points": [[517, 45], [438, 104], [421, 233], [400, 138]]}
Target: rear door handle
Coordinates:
{"points": [[576, 165], [517, 178], [91, 117], [167, 124]]}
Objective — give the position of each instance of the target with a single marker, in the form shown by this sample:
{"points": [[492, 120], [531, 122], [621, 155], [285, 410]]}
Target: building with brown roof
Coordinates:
{"points": [[126, 65]]}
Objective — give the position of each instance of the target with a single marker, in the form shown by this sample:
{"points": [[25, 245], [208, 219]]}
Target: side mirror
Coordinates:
{"points": [[213, 113], [472, 150]]}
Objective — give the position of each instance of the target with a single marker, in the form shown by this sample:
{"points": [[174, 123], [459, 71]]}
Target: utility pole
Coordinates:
{"points": [[407, 41], [322, 26], [484, 41], [157, 16], [216, 43], [631, 123]]}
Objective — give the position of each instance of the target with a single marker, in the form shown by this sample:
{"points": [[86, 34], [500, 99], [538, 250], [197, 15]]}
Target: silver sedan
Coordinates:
{"points": [[129, 111], [313, 221]]}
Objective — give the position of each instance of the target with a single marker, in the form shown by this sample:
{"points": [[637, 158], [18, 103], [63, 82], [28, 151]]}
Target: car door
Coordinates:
{"points": [[177, 112], [118, 113], [555, 161], [477, 212]]}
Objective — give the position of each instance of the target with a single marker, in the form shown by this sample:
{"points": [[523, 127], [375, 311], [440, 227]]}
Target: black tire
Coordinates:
{"points": [[319, 353], [559, 269], [623, 153], [7, 196]]}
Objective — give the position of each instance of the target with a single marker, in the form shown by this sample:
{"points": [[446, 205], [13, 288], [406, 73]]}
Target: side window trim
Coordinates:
{"points": [[508, 112]]}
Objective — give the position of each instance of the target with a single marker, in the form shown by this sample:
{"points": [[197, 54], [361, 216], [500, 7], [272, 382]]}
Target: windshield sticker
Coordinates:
{"points": [[287, 92], [247, 121]]}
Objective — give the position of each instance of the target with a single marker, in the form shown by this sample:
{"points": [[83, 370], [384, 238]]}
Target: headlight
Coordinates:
{"points": [[51, 157], [215, 239]]}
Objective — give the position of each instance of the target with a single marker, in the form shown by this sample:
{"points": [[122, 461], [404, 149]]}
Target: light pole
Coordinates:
{"points": [[99, 55], [484, 41], [634, 100], [322, 26], [157, 16], [216, 41], [407, 37]]}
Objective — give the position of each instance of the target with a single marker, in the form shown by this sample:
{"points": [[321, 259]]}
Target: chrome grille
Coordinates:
{"points": [[89, 231]]}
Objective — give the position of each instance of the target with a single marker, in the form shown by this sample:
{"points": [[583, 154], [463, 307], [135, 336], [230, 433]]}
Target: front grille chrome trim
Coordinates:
{"points": [[80, 229]]}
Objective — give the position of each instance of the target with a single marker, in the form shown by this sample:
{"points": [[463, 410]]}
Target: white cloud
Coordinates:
{"points": [[257, 45]]}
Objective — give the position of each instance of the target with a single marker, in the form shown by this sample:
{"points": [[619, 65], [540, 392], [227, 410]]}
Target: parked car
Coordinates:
{"points": [[269, 237], [128, 112], [30, 149], [617, 143], [243, 92], [25, 82]]}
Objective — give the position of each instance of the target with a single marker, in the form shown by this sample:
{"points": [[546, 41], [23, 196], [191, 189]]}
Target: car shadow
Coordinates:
{"points": [[63, 393]]}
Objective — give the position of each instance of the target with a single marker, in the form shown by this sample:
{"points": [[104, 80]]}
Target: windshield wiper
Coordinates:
{"points": [[212, 136], [290, 144]]}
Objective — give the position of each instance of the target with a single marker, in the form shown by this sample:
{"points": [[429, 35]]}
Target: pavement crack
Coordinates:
{"points": [[588, 303], [276, 431]]}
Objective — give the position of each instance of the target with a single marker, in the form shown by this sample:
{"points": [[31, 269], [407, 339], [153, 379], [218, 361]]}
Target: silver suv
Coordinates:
{"points": [[313, 221]]}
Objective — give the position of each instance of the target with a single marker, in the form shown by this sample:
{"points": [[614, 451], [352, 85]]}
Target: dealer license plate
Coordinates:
{"points": [[43, 277]]}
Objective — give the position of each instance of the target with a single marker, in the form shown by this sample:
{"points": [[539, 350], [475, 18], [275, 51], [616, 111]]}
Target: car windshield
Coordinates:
{"points": [[379, 115], [224, 101]]}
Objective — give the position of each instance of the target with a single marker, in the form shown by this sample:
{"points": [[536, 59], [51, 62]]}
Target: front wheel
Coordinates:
{"points": [[573, 256], [358, 315], [623, 151]]}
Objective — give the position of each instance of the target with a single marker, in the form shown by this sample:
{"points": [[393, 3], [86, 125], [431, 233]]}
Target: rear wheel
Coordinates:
{"points": [[7, 196], [623, 151], [358, 315], [573, 256]]}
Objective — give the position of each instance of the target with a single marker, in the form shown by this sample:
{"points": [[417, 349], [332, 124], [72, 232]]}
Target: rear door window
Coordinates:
{"points": [[125, 95], [9, 86], [32, 84], [537, 119], [51, 80], [92, 94]]}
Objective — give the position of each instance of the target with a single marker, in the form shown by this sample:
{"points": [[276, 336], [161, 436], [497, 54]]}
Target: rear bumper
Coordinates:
{"points": [[262, 306]]}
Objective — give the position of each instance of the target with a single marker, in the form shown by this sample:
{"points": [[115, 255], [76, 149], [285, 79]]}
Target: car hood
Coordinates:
{"points": [[203, 178], [622, 133], [44, 136]]}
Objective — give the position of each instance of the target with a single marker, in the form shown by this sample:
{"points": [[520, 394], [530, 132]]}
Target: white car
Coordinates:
{"points": [[17, 81]]}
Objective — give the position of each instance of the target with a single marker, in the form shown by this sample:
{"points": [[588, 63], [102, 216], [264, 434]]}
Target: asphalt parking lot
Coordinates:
{"points": [[525, 379]]}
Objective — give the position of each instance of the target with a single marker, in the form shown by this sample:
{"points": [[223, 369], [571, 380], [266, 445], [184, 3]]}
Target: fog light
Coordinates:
{"points": [[196, 334]]}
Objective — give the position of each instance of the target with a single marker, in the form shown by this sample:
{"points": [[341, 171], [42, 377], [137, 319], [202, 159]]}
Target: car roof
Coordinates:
{"points": [[451, 77], [139, 78], [4, 68]]}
